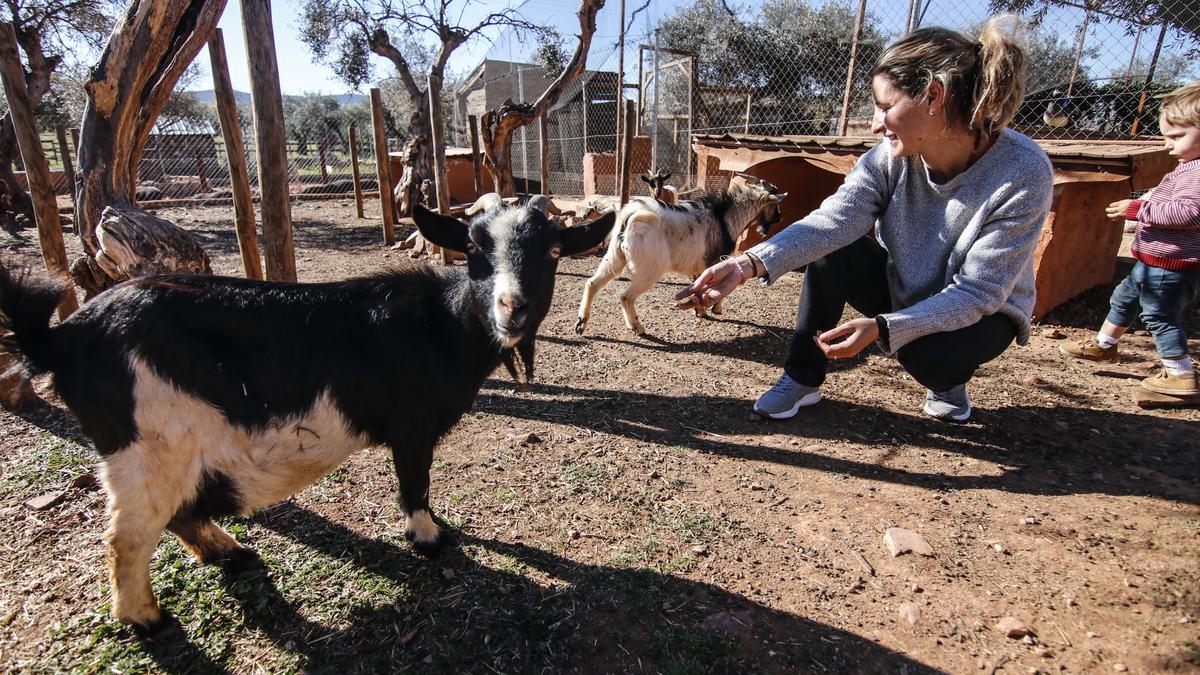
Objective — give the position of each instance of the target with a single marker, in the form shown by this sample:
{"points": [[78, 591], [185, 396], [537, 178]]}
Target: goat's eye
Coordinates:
{"points": [[555, 252], [471, 247]]}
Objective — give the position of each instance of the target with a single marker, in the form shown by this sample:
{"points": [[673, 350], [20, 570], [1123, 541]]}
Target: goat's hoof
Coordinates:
{"points": [[242, 560], [433, 547], [580, 325], [163, 629]]}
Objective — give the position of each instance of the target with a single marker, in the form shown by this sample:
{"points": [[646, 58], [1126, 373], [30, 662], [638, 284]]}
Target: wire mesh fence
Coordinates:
{"points": [[188, 159], [790, 67], [702, 68]]}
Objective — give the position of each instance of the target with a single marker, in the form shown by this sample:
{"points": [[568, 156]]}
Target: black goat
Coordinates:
{"points": [[209, 396]]}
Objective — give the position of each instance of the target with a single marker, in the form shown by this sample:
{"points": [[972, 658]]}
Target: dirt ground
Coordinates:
{"points": [[627, 514]]}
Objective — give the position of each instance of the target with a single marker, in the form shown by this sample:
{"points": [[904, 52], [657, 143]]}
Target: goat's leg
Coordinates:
{"points": [[638, 285], [610, 266], [412, 469], [210, 544], [140, 503]]}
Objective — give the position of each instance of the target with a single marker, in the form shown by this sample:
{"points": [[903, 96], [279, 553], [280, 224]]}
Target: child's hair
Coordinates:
{"points": [[984, 80], [1182, 106]]}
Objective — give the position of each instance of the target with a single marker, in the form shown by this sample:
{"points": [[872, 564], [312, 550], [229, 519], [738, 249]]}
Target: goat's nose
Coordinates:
{"points": [[515, 310]]}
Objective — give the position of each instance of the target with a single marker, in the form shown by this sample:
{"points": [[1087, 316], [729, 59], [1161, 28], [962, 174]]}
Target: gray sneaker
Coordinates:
{"points": [[952, 404], [785, 398]]}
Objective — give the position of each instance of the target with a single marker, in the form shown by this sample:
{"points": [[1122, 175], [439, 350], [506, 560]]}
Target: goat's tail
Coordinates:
{"points": [[26, 304]]}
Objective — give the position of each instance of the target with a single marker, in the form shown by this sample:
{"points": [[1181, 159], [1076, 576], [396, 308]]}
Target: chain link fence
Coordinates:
{"points": [[712, 68], [791, 68], [188, 159]]}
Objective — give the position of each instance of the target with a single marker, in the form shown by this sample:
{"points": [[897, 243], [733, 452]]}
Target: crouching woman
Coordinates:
{"points": [[955, 201]]}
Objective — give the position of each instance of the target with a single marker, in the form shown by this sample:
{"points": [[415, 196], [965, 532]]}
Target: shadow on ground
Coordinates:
{"points": [[581, 617], [1131, 455]]}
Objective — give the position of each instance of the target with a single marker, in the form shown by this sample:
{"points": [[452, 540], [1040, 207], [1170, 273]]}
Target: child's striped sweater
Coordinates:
{"points": [[1168, 232]]}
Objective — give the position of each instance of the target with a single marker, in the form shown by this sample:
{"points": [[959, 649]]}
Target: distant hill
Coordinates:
{"points": [[243, 97]]}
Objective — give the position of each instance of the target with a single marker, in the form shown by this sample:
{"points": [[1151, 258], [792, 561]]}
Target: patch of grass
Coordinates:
{"points": [[682, 563], [689, 523], [337, 475], [508, 563], [463, 494], [506, 495], [48, 466], [1190, 653], [686, 651], [594, 478]]}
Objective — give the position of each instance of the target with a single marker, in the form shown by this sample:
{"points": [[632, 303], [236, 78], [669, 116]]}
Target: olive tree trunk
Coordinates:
{"points": [[498, 126], [152, 44]]}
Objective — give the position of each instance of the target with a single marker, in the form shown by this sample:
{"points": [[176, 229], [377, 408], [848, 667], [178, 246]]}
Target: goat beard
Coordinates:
{"points": [[519, 360]]}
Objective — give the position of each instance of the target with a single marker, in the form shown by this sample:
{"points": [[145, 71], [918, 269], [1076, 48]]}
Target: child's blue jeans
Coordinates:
{"points": [[1160, 296]]}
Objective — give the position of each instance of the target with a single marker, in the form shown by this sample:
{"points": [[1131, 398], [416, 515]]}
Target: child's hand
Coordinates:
{"points": [[1116, 210]]}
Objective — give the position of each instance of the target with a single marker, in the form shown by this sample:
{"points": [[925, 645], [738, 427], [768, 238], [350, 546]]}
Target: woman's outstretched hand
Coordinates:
{"points": [[713, 284], [858, 333]]}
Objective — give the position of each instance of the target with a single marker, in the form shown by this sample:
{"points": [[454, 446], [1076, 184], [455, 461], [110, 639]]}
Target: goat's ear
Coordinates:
{"points": [[441, 230], [646, 179], [779, 197], [587, 235]]}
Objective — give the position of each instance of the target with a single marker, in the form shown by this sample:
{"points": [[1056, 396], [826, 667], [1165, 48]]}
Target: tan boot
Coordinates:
{"points": [[1090, 350], [1172, 385]]}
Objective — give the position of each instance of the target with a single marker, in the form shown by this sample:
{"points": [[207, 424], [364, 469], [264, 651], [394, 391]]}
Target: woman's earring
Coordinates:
{"points": [[931, 111]]}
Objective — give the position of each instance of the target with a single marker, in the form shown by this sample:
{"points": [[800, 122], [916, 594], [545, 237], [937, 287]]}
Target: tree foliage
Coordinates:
{"points": [[787, 54], [1179, 14]]}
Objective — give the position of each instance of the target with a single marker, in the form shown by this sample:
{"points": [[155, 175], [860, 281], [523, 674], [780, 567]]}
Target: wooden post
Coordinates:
{"points": [[321, 159], [640, 103], [587, 103], [746, 124], [626, 152], [37, 172], [1087, 17], [239, 175], [201, 173], [544, 151], [434, 90], [693, 93], [381, 161], [75, 140], [68, 165], [476, 161], [844, 121], [1137, 118], [619, 97], [358, 198], [271, 143]]}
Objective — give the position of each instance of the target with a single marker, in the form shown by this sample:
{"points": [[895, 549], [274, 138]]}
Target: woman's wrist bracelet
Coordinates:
{"points": [[745, 268]]}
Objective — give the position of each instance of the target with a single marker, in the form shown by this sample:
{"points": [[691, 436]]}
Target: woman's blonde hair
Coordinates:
{"points": [[984, 80], [1182, 106]]}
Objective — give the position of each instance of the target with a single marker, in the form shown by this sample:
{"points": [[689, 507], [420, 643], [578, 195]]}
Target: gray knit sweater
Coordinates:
{"points": [[957, 251]]}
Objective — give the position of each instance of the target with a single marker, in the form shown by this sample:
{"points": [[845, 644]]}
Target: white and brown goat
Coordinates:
{"points": [[208, 396], [658, 186], [652, 238]]}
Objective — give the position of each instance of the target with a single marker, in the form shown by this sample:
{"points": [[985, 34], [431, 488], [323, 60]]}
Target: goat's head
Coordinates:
{"points": [[767, 197], [656, 181], [512, 255]]}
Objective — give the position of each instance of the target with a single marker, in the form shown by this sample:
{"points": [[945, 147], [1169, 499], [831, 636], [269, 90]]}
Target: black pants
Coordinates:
{"points": [[857, 275]]}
